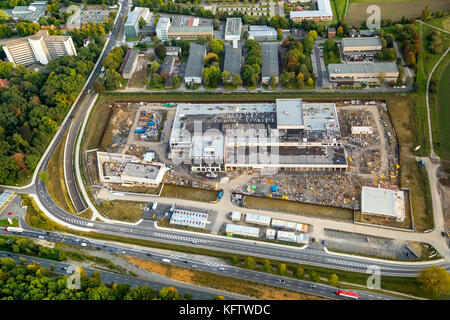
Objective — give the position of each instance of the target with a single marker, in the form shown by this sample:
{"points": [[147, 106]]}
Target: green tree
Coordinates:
{"points": [[154, 67], [250, 262], [314, 277], [426, 14], [267, 265], [299, 273], [234, 260], [219, 298], [333, 280], [160, 51], [169, 293], [282, 269], [142, 23], [273, 82], [434, 281], [279, 34], [216, 46], [43, 176]]}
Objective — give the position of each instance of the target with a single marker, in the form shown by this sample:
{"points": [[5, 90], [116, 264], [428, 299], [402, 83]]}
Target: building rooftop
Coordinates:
{"points": [[141, 170], [360, 42], [130, 61], [32, 12], [233, 59], [289, 113], [167, 65], [320, 117], [323, 9], [133, 18], [194, 65], [365, 68], [378, 201], [163, 23], [270, 60], [261, 31], [173, 49], [190, 29], [233, 27]]}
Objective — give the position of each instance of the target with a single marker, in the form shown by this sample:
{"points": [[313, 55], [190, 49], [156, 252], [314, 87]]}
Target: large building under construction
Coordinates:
{"points": [[128, 170], [286, 135]]}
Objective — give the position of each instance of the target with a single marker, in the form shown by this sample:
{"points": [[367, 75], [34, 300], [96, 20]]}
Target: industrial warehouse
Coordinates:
{"points": [[287, 135]]}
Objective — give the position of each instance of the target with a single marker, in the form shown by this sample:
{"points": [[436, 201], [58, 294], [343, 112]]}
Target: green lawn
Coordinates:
{"points": [[444, 111], [5, 223], [129, 211]]}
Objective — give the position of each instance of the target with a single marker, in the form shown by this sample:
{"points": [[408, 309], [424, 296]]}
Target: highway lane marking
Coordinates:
{"points": [[355, 264]]}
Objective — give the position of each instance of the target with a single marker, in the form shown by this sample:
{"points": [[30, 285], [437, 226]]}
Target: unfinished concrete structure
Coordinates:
{"points": [[383, 202], [286, 135], [128, 170]]}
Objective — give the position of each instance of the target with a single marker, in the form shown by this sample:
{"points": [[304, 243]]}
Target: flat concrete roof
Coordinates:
{"points": [[378, 201], [361, 42], [133, 18], [289, 113], [190, 29], [364, 68], [194, 65], [163, 23], [141, 170], [323, 9], [233, 59], [131, 59], [233, 27], [270, 60]]}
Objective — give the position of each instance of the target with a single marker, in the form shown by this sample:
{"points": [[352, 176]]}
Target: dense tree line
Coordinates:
{"points": [[34, 105], [297, 61], [211, 73], [34, 282], [251, 70], [331, 52], [112, 78]]}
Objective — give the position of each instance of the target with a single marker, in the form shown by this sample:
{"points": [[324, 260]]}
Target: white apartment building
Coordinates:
{"points": [[39, 48]]}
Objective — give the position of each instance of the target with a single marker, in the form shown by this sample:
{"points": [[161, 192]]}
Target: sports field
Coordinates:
{"points": [[393, 9]]}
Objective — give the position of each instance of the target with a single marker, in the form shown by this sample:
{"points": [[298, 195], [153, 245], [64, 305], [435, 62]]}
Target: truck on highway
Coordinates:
{"points": [[165, 260], [14, 229], [347, 294]]}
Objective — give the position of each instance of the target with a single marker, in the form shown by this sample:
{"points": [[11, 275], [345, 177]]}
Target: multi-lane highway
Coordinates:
{"points": [[197, 264], [198, 292]]}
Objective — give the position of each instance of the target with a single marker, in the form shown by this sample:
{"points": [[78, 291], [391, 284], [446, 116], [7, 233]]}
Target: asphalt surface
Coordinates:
{"points": [[244, 274], [118, 278], [78, 114]]}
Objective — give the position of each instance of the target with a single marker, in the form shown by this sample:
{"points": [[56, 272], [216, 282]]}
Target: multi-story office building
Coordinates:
{"points": [[190, 32], [162, 27], [355, 49], [39, 48], [31, 12], [132, 25]]}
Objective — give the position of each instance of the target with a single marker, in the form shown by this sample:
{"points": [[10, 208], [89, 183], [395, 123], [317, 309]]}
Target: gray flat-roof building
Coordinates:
{"points": [[132, 25], [167, 66], [194, 67], [233, 60], [173, 51], [269, 62], [360, 48], [233, 29], [131, 63], [31, 12], [383, 202], [351, 73], [262, 33]]}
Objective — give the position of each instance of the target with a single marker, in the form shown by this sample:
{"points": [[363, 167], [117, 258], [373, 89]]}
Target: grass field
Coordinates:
{"points": [[181, 192], [444, 111], [128, 211], [5, 223], [55, 185], [393, 9], [298, 207]]}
